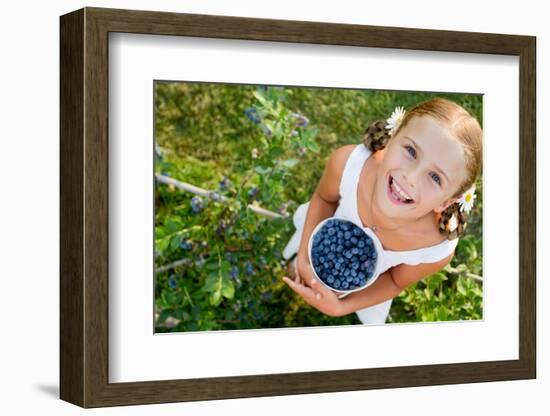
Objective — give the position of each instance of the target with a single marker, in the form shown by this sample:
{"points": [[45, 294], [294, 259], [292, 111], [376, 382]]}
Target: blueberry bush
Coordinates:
{"points": [[219, 265]]}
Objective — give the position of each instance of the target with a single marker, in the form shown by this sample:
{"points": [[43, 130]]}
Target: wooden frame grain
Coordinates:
{"points": [[84, 207]]}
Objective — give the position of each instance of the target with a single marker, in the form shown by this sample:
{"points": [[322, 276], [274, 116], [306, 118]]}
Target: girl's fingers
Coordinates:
{"points": [[300, 289], [292, 284], [321, 289]]}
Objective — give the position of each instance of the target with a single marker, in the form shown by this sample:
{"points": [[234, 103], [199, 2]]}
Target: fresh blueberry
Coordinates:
{"points": [[253, 192], [224, 183], [249, 268], [252, 114], [196, 204], [185, 244], [215, 196], [172, 281]]}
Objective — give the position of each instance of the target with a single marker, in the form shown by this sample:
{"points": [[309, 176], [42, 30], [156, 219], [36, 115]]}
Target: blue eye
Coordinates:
{"points": [[436, 178], [411, 150]]}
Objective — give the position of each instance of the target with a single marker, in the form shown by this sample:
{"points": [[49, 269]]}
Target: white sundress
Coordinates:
{"points": [[347, 208]]}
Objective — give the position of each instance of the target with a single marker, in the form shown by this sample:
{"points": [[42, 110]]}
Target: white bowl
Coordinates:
{"points": [[377, 245]]}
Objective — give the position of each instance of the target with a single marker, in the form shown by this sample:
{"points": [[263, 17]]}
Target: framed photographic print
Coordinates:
{"points": [[198, 160]]}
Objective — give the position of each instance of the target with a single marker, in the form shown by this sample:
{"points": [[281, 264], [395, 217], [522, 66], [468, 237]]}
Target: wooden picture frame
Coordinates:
{"points": [[84, 207]]}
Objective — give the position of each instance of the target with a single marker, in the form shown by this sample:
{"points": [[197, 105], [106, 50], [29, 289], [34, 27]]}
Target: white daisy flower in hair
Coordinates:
{"points": [[395, 119], [467, 199]]}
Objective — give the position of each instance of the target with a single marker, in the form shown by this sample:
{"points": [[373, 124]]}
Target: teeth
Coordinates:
{"points": [[398, 190], [396, 196]]}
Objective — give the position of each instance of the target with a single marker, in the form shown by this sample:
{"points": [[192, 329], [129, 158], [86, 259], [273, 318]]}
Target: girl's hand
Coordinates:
{"points": [[318, 295]]}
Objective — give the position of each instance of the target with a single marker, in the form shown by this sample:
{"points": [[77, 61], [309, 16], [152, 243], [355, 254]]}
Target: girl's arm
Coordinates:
{"points": [[389, 284], [323, 204]]}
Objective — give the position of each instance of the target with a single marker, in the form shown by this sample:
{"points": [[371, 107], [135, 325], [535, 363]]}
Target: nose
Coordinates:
{"points": [[411, 177]]}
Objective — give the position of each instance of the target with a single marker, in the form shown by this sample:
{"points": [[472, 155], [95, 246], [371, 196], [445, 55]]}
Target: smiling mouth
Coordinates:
{"points": [[397, 193]]}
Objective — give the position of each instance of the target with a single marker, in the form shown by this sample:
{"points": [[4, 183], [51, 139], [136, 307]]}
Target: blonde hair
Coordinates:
{"points": [[463, 127]]}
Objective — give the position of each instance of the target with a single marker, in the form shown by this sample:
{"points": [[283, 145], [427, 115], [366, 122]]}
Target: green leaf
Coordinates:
{"points": [[460, 287], [260, 98], [175, 241], [313, 147], [215, 298], [469, 247], [162, 244], [434, 280], [273, 93], [228, 290], [212, 282], [441, 313], [225, 267], [211, 264], [261, 170], [289, 163], [428, 316], [172, 298], [275, 152], [172, 224]]}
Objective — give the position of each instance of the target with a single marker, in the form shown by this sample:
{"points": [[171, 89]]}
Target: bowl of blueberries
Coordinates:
{"points": [[344, 256]]}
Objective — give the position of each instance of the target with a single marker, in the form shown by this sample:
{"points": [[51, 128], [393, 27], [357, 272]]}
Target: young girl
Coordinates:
{"points": [[412, 182]]}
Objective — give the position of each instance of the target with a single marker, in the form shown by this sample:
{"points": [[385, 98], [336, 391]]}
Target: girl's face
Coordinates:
{"points": [[422, 168]]}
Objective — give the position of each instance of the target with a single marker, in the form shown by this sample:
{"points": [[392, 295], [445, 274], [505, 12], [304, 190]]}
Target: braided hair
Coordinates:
{"points": [[452, 220]]}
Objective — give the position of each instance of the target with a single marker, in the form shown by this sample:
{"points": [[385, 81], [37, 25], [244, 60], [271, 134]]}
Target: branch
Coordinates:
{"points": [[172, 265], [207, 193], [467, 274]]}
